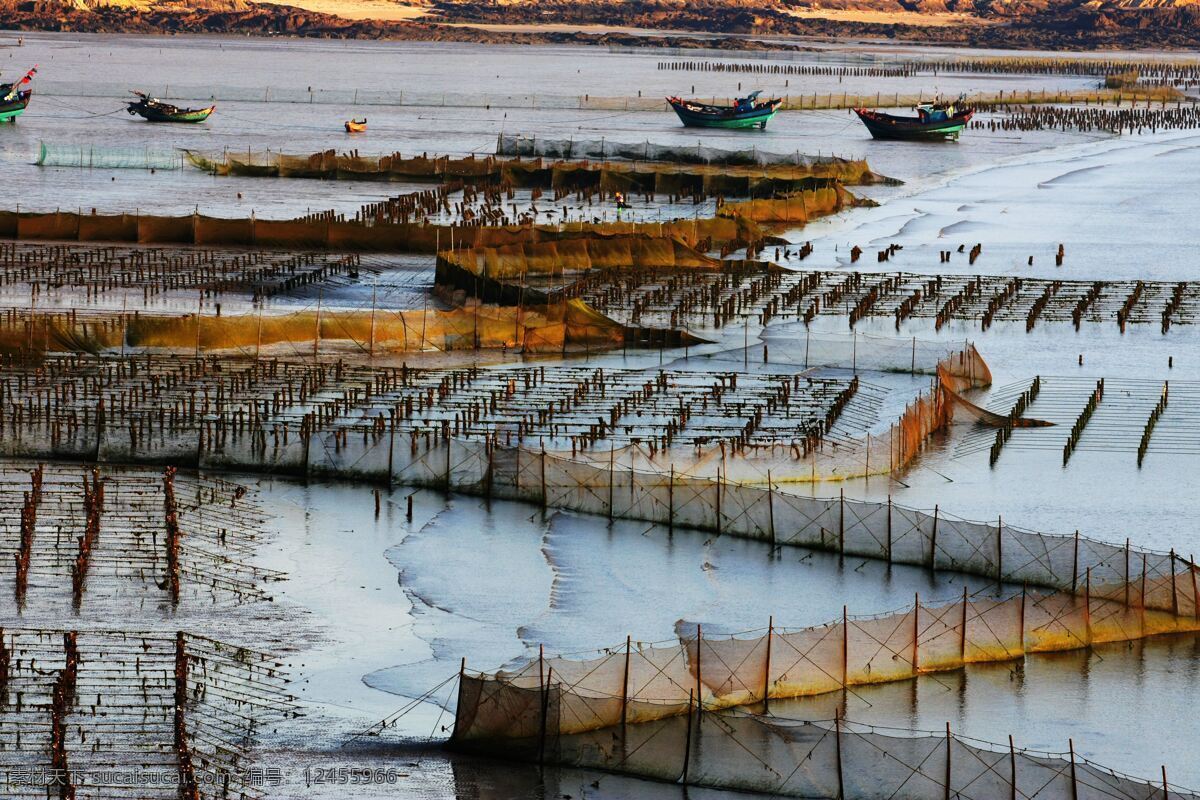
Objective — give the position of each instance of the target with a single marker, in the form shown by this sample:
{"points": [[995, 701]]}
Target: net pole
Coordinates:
{"points": [[841, 522], [699, 645], [1174, 592], [687, 747], [771, 522], [719, 486], [1012, 764], [946, 794], [462, 671], [837, 745], [767, 669], [625, 690], [612, 451], [1142, 602], [1074, 781], [1127, 572], [889, 529], [916, 649], [962, 634], [1023, 596], [933, 539], [545, 715], [999, 548], [317, 331], [1087, 605], [371, 343], [845, 649], [1075, 564], [392, 457], [543, 466], [1195, 593], [671, 501]]}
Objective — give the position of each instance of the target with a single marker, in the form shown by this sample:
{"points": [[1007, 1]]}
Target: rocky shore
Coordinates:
{"points": [[721, 25]]}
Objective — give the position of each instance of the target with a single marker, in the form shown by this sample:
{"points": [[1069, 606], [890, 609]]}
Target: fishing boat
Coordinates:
{"points": [[13, 99], [155, 110], [356, 125], [935, 120], [746, 112]]}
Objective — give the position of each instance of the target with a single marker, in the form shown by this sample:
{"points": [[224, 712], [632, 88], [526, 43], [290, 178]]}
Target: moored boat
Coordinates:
{"points": [[13, 99], [934, 121], [154, 110], [356, 125], [746, 112]]}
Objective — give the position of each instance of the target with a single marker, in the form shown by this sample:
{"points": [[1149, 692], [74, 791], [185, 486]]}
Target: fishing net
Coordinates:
{"points": [[795, 207], [107, 157], [670, 177], [547, 328], [521, 262], [602, 149]]}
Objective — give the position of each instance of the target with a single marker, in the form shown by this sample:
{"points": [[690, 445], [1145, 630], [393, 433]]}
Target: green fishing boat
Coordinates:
{"points": [[13, 99], [746, 112], [154, 110]]}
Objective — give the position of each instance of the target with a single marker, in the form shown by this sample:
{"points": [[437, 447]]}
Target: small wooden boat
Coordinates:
{"points": [[934, 121], [746, 112], [356, 125], [13, 99], [154, 110]]}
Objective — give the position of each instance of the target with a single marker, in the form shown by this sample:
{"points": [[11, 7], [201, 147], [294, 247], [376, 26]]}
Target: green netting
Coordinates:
{"points": [[90, 156]]}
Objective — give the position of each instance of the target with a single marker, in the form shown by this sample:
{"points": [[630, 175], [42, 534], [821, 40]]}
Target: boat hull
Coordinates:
{"points": [[885, 126], [757, 118], [189, 116], [14, 108]]}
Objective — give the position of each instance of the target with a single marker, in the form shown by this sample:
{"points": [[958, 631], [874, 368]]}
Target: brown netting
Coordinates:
{"points": [[108, 228], [48, 226], [166, 230], [734, 180], [216, 231]]}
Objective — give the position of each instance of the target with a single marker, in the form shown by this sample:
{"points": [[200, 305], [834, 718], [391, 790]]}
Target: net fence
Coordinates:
{"points": [[643, 710], [782, 757], [307, 234]]}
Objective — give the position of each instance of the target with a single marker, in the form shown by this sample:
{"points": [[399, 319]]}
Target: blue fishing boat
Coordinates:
{"points": [[745, 112]]}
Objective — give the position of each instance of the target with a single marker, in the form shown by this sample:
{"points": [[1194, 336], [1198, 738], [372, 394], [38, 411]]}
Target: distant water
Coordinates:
{"points": [[84, 80]]}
